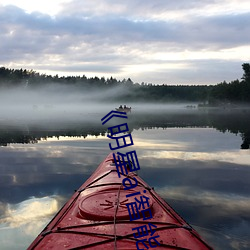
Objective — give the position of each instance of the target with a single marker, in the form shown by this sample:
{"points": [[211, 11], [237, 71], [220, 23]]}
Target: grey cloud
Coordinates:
{"points": [[98, 40], [217, 31], [134, 8], [209, 71], [84, 68]]}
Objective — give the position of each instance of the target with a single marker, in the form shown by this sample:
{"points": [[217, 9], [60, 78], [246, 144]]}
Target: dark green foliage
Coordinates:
{"points": [[234, 92], [222, 93], [246, 69]]}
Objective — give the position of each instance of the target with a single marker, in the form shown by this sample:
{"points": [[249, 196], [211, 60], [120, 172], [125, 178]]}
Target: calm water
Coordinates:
{"points": [[193, 158]]}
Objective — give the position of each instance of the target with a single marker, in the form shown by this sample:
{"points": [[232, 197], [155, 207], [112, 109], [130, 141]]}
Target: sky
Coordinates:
{"points": [[153, 41]]}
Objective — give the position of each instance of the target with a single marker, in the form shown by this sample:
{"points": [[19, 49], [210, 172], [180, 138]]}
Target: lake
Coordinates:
{"points": [[198, 160]]}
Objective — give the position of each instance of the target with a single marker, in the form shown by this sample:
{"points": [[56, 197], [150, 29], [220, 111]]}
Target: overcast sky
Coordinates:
{"points": [[157, 41]]}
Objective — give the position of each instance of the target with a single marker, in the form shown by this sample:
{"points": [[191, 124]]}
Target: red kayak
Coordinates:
{"points": [[112, 212]]}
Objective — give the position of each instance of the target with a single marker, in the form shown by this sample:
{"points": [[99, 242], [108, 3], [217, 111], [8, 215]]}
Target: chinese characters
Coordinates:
{"points": [[140, 208]]}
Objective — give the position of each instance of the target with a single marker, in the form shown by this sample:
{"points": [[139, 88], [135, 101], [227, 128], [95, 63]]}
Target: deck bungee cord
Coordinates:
{"points": [[96, 217]]}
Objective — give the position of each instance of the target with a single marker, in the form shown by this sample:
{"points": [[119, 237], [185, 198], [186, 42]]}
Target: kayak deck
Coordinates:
{"points": [[97, 217]]}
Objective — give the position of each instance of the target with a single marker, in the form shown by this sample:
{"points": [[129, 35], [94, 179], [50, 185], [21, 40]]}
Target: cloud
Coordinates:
{"points": [[157, 9], [95, 38], [116, 30]]}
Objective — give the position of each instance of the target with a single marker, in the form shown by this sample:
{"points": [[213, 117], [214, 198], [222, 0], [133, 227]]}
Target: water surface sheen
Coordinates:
{"points": [[198, 161]]}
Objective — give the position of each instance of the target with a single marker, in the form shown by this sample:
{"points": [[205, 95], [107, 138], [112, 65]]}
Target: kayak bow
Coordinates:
{"points": [[97, 217]]}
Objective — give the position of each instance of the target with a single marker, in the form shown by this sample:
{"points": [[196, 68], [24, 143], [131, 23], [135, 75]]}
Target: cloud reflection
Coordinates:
{"points": [[198, 171], [191, 144], [223, 156], [228, 203], [29, 212], [22, 222], [221, 213]]}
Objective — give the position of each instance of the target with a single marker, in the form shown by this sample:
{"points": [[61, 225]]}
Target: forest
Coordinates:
{"points": [[224, 93]]}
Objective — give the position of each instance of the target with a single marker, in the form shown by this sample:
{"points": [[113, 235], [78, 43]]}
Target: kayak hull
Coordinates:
{"points": [[97, 217]]}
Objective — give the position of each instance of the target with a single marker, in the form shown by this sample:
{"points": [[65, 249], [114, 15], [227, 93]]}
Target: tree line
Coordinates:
{"points": [[236, 91], [235, 122]]}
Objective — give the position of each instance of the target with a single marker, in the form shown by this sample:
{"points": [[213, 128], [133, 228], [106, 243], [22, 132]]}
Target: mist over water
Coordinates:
{"points": [[191, 156], [55, 102], [61, 107], [60, 102]]}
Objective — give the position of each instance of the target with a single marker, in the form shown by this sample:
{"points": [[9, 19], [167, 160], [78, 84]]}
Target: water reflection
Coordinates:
{"points": [[233, 121], [20, 222], [29, 210], [193, 161]]}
